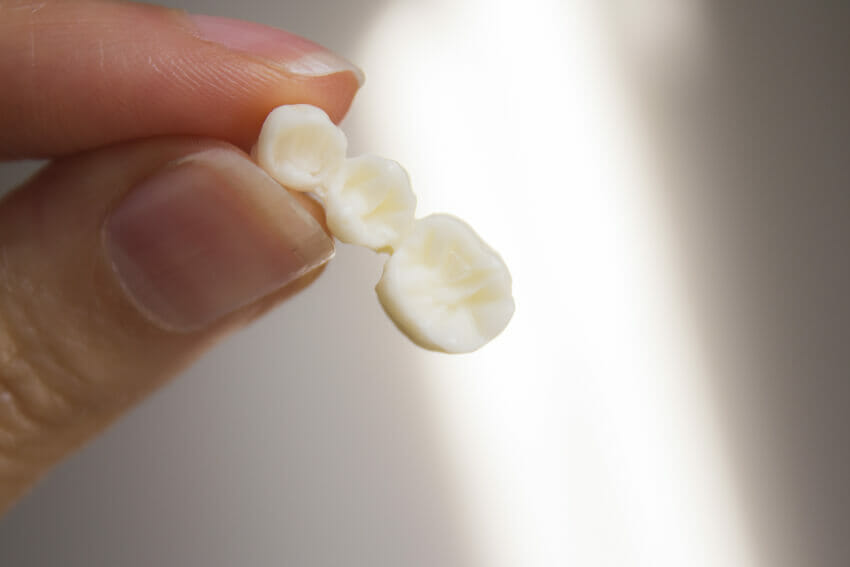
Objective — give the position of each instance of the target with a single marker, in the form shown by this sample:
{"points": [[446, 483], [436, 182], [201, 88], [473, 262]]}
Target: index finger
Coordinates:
{"points": [[77, 75]]}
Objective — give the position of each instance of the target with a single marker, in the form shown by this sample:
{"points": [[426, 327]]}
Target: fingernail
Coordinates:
{"points": [[207, 235], [296, 54]]}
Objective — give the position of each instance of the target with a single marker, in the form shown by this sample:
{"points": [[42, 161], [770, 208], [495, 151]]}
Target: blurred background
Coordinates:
{"points": [[667, 179]]}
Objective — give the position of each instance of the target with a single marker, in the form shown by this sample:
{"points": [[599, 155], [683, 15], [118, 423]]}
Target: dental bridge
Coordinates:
{"points": [[442, 285]]}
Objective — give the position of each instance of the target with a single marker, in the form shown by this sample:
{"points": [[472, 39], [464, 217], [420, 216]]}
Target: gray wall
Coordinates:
{"points": [[337, 462]]}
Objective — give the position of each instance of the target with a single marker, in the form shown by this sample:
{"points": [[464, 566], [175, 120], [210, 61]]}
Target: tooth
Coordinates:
{"points": [[369, 202], [445, 288], [300, 146]]}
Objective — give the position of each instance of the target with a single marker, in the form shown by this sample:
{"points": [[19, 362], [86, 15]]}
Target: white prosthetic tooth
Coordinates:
{"points": [[369, 202], [300, 146], [445, 288]]}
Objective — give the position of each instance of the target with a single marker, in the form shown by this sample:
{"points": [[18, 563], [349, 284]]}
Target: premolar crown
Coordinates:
{"points": [[369, 202], [299, 146]]}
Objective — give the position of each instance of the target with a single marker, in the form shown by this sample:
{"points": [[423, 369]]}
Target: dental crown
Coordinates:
{"points": [[442, 285]]}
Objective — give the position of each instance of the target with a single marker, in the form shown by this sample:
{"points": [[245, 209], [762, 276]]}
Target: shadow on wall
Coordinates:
{"points": [[755, 143], [336, 24], [303, 440]]}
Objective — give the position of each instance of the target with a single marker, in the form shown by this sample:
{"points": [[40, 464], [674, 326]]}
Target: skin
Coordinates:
{"points": [[75, 353]]}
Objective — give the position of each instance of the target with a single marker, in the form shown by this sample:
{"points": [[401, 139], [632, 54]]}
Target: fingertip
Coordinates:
{"points": [[333, 93], [142, 71], [293, 53]]}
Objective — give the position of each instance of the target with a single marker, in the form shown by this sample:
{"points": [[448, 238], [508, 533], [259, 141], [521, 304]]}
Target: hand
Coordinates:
{"points": [[151, 234]]}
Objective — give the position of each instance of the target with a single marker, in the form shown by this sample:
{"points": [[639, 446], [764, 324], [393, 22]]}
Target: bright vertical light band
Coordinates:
{"points": [[583, 435]]}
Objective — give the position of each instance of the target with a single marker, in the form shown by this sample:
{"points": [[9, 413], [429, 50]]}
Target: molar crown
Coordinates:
{"points": [[445, 288]]}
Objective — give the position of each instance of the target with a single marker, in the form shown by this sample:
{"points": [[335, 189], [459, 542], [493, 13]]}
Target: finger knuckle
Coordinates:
{"points": [[36, 404]]}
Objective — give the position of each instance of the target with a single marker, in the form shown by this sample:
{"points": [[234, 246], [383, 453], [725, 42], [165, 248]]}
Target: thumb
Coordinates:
{"points": [[117, 269]]}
